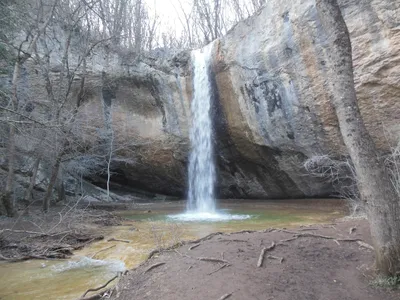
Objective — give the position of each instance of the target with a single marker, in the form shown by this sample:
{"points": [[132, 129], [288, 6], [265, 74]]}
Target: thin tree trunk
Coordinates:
{"points": [[53, 179], [28, 195], [11, 151], [138, 28], [61, 189], [376, 190]]}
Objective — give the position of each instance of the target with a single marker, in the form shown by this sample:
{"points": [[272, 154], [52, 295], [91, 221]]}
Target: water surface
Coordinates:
{"points": [[146, 230]]}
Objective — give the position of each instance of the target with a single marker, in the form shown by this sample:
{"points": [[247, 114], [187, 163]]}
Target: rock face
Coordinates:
{"points": [[271, 102], [274, 90]]}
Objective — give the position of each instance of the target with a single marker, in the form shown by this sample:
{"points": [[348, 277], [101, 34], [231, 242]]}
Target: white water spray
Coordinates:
{"points": [[201, 162]]}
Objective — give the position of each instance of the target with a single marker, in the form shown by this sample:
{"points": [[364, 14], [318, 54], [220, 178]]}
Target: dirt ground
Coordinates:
{"points": [[53, 235], [306, 263]]}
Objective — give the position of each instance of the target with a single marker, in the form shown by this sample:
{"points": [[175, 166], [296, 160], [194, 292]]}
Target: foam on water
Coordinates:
{"points": [[87, 262], [207, 217]]}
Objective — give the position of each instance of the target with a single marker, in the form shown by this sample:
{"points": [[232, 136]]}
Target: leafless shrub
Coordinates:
{"points": [[393, 165], [341, 174], [165, 234]]}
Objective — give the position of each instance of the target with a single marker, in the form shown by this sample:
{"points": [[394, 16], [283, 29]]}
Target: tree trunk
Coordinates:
{"points": [[138, 28], [53, 179], [28, 195], [376, 190], [7, 196], [61, 190]]}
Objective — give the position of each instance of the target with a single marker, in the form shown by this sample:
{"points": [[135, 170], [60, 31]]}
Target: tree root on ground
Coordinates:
{"points": [[262, 254], [97, 289], [153, 267], [211, 259], [194, 246], [220, 268]]}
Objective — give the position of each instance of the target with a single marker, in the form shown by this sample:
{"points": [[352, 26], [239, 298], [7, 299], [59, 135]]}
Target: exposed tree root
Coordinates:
{"points": [[220, 268], [308, 234], [244, 231], [262, 254], [28, 257], [207, 237], [98, 288], [194, 246], [153, 267], [211, 259]]}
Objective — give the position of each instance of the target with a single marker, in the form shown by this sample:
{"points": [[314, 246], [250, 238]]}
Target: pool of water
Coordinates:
{"points": [[146, 229]]}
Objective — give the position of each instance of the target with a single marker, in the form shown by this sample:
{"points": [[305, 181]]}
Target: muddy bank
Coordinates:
{"points": [[52, 236], [327, 262]]}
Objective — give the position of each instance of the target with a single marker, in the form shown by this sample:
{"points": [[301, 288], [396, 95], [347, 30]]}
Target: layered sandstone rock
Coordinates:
{"points": [[271, 105]]}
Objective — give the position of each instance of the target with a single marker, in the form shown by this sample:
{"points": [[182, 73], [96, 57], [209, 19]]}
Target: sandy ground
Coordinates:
{"points": [[302, 265]]}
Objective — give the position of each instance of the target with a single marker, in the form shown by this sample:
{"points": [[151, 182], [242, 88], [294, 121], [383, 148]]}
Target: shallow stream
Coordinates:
{"points": [[146, 229]]}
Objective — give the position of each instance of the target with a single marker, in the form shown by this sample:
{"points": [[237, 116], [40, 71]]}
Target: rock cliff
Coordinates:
{"points": [[271, 107]]}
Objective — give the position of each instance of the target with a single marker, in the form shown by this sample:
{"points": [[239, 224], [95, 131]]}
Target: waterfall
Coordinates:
{"points": [[201, 163], [201, 204]]}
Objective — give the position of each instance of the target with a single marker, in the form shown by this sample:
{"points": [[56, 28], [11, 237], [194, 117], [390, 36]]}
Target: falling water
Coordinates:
{"points": [[201, 162], [201, 205]]}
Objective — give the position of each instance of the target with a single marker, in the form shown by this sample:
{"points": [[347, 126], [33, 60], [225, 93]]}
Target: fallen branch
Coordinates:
{"points": [[153, 267], [118, 240], [226, 296], [100, 287], [103, 250], [262, 254]]}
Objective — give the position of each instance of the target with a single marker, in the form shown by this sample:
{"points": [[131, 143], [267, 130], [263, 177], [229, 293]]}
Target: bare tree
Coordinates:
{"points": [[376, 190], [24, 52]]}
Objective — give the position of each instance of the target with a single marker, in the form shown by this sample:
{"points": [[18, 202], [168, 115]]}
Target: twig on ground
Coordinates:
{"points": [[194, 246], [118, 240], [276, 257], [226, 296], [365, 245], [153, 267], [100, 287]]}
